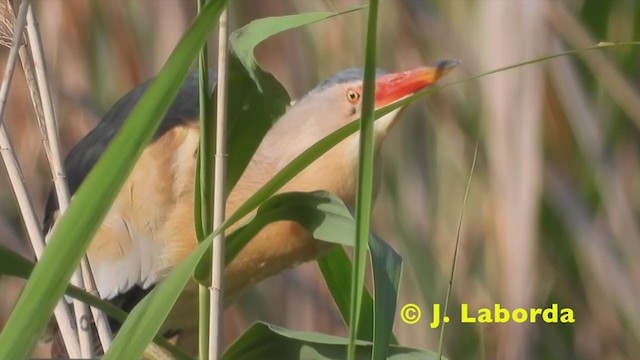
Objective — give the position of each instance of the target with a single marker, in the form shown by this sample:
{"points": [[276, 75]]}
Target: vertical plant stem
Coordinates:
{"points": [[29, 75], [217, 263], [205, 188], [365, 179], [10, 66], [82, 278], [61, 311], [455, 251]]}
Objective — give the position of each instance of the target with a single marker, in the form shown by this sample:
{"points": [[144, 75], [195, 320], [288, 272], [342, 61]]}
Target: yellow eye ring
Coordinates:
{"points": [[353, 96]]}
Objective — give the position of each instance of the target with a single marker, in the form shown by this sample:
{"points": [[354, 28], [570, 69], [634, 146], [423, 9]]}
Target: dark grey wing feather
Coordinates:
{"points": [[85, 154]]}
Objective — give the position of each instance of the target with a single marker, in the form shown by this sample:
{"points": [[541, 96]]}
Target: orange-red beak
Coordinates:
{"points": [[393, 87]]}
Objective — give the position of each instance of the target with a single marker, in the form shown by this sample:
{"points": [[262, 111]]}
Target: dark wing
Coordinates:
{"points": [[85, 154]]}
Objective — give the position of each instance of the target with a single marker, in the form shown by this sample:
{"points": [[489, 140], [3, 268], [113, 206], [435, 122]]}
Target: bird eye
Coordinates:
{"points": [[353, 96]]}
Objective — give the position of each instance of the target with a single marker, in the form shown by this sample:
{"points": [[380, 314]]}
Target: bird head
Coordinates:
{"points": [[344, 89], [337, 101]]}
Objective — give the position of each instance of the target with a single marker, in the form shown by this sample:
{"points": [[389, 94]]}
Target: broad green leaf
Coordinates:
{"points": [[265, 341], [323, 214], [387, 268], [334, 265], [91, 202], [244, 40], [326, 217], [385, 262], [253, 109], [364, 190], [256, 98], [13, 264]]}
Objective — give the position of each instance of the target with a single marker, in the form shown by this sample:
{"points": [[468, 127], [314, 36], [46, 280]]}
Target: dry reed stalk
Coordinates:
{"points": [[82, 278], [61, 312], [217, 263], [513, 32]]}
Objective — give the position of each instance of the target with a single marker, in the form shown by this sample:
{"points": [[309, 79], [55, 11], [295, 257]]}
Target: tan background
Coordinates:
{"points": [[553, 211]]}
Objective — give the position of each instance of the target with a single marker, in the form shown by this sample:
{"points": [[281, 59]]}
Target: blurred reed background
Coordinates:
{"points": [[552, 215]]}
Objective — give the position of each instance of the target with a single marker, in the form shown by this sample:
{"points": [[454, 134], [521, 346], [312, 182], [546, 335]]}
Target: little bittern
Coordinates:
{"points": [[150, 226]]}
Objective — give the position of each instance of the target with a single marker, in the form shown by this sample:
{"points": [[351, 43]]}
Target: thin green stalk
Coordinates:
{"points": [[203, 321], [455, 250], [365, 179], [205, 187]]}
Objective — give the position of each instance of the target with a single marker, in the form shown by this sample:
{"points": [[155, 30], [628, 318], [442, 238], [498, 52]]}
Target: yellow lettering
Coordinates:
{"points": [[484, 316], [566, 316], [535, 313], [436, 316], [519, 315], [464, 314], [550, 315], [501, 314]]}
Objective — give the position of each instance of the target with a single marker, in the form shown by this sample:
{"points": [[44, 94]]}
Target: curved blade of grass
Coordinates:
{"points": [[244, 40], [419, 95], [364, 191], [456, 247], [90, 204], [266, 341], [13, 264]]}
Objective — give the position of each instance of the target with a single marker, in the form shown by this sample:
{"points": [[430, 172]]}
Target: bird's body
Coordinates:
{"points": [[150, 226]]}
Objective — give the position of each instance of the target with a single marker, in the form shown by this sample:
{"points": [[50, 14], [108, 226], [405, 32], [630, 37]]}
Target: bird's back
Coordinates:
{"points": [[82, 158]]}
